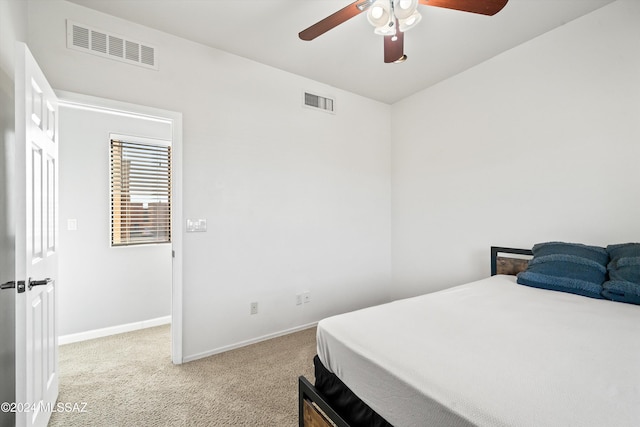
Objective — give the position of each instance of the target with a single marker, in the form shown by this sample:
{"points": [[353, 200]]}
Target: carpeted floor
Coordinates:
{"points": [[129, 380]]}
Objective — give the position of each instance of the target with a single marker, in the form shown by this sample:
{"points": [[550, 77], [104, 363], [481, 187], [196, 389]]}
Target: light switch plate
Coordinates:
{"points": [[196, 225]]}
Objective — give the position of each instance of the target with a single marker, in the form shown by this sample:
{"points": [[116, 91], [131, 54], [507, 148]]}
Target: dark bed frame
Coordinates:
{"points": [[313, 408], [511, 266]]}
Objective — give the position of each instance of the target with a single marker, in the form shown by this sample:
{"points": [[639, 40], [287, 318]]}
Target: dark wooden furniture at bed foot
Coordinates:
{"points": [[313, 411], [313, 417]]}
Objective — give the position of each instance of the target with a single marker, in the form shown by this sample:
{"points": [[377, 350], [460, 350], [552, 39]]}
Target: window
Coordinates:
{"points": [[140, 193]]}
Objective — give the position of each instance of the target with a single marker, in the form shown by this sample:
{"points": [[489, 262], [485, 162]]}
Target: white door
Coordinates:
{"points": [[36, 242]]}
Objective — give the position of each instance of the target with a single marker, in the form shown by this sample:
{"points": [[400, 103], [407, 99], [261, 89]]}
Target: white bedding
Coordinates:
{"points": [[491, 353]]}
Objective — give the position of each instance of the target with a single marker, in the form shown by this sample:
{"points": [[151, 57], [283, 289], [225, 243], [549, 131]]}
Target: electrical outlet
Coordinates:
{"points": [[298, 299], [306, 297], [254, 308]]}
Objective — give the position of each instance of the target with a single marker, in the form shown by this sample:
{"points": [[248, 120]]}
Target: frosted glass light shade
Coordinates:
{"points": [[385, 30], [403, 9], [410, 22], [379, 13]]}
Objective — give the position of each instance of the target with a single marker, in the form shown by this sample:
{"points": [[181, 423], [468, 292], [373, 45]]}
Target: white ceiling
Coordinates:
{"points": [[350, 56]]}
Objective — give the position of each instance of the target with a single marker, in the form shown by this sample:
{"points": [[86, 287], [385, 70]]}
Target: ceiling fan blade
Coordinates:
{"points": [[335, 19], [484, 7], [394, 49]]}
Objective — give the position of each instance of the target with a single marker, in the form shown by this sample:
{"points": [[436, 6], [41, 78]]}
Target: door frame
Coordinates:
{"points": [[77, 100]]}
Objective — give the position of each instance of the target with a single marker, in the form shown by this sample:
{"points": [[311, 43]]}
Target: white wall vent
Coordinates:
{"points": [[108, 45], [319, 102]]}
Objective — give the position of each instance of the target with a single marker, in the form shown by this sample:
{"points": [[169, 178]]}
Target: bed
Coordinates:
{"points": [[487, 353]]}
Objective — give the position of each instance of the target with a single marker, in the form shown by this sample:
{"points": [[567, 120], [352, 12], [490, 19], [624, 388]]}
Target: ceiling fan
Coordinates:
{"points": [[391, 18]]}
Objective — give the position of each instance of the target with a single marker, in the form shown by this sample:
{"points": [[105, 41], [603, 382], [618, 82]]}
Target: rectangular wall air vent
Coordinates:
{"points": [[108, 45], [319, 102]]}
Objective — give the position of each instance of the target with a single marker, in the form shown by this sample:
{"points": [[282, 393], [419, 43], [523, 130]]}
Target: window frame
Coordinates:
{"points": [[128, 139]]}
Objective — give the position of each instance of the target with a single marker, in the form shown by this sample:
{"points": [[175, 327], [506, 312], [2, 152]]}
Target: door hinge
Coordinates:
{"points": [[173, 254]]}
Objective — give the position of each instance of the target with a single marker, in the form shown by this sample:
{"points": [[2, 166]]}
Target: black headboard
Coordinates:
{"points": [[502, 263]]}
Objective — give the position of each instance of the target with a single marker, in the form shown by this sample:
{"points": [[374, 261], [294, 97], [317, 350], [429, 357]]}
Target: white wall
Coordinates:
{"points": [[539, 143], [103, 287], [295, 199], [13, 28]]}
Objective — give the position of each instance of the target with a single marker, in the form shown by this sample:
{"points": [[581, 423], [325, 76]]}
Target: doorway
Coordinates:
{"points": [[107, 289]]}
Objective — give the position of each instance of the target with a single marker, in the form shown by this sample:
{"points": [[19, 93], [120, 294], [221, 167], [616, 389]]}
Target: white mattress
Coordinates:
{"points": [[491, 353]]}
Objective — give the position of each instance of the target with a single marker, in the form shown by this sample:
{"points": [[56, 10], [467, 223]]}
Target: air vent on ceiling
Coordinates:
{"points": [[319, 102], [108, 45]]}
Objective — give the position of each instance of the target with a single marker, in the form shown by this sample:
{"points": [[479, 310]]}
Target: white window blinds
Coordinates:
{"points": [[140, 193]]}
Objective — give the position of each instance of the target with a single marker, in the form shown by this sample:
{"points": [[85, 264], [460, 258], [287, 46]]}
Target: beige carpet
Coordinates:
{"points": [[129, 380]]}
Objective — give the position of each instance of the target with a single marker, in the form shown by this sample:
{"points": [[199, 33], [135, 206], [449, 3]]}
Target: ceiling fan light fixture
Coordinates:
{"points": [[379, 14], [410, 22], [400, 60], [386, 30], [403, 9], [392, 18]]}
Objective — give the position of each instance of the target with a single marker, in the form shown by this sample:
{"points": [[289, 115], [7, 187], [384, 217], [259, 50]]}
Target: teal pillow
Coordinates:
{"points": [[567, 267], [626, 269], [565, 273], [623, 250], [624, 273], [621, 291], [595, 253]]}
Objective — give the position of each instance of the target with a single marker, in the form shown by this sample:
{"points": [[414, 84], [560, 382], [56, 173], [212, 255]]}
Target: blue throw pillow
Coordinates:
{"points": [[567, 267], [565, 273], [595, 253], [623, 250], [621, 291], [624, 273], [625, 262], [626, 269], [561, 284]]}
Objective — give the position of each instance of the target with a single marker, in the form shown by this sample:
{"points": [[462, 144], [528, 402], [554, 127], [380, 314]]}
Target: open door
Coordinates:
{"points": [[36, 242]]}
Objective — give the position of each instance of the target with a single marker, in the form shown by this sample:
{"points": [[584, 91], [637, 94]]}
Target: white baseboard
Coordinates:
{"points": [[113, 330], [248, 342]]}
